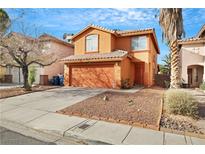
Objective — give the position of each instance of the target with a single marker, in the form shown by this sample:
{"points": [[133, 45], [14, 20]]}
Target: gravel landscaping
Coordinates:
{"points": [[4, 93], [180, 123], [184, 124], [142, 108]]}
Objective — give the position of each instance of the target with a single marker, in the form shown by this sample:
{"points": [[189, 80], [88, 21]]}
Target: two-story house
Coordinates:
{"points": [[193, 59], [111, 58]]}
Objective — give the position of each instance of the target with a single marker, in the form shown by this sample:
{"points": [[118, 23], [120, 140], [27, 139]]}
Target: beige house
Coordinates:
{"points": [[193, 59], [59, 47]]}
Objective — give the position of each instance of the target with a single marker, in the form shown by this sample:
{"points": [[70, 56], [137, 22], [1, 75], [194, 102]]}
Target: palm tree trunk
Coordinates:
{"points": [[25, 77], [175, 65]]}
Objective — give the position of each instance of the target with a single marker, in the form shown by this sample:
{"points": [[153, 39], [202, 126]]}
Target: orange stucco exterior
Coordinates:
{"points": [[104, 40], [138, 68]]}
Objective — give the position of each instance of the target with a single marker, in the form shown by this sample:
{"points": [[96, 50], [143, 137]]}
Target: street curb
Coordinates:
{"points": [[71, 139]]}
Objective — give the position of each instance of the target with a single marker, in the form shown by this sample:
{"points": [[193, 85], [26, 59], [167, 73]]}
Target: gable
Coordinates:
{"points": [[93, 27], [89, 31], [104, 41]]}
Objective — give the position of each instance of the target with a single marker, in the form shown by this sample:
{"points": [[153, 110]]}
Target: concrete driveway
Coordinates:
{"points": [[50, 100]]}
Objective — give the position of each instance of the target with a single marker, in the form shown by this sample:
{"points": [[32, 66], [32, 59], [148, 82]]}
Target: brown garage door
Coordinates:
{"points": [[92, 76]]}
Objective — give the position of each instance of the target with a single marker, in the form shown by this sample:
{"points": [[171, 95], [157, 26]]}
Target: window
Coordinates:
{"points": [[92, 43], [139, 43]]}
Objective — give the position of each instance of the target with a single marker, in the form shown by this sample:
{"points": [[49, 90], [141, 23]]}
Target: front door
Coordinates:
{"points": [[139, 73], [190, 81]]}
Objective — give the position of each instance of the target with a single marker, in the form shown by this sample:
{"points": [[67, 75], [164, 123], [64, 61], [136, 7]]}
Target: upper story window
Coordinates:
{"points": [[92, 43], [139, 43]]}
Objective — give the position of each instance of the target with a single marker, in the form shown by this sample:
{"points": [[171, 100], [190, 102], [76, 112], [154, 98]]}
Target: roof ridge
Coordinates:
{"points": [[101, 27], [134, 30], [191, 38], [54, 38]]}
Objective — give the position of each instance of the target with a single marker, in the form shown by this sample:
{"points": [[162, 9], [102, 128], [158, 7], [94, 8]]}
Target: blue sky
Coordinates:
{"points": [[59, 21]]}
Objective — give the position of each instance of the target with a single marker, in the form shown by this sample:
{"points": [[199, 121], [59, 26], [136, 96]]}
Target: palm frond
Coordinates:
{"points": [[171, 21]]}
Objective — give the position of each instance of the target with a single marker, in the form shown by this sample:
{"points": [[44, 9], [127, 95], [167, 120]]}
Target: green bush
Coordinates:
{"points": [[202, 86], [180, 102], [32, 75]]}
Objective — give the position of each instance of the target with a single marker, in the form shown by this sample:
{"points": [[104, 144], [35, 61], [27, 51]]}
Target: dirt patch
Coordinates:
{"points": [[142, 108], [10, 92]]}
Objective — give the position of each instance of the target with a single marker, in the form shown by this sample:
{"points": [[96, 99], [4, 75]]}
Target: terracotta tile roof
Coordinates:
{"points": [[116, 32], [118, 54], [21, 36], [191, 40], [47, 37], [133, 32]]}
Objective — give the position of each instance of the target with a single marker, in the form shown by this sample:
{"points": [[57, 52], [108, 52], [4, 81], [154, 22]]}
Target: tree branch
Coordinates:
{"points": [[36, 62]]}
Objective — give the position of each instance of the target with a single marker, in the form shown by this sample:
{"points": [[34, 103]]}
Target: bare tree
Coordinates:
{"points": [[22, 51]]}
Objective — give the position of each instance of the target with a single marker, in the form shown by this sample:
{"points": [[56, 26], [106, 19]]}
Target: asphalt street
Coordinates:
{"points": [[8, 137]]}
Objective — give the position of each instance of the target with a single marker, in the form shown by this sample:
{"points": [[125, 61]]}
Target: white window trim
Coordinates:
{"points": [[93, 50], [146, 48]]}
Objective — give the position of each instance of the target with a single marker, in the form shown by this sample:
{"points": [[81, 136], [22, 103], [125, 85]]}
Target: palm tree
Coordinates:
{"points": [[166, 67], [171, 21], [4, 21]]}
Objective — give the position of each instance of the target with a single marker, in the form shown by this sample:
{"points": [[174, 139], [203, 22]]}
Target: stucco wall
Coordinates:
{"points": [[104, 41], [192, 54], [127, 70], [61, 51]]}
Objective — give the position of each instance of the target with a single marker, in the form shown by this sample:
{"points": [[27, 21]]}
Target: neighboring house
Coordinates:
{"points": [[112, 59], [193, 59], [59, 47], [2, 73]]}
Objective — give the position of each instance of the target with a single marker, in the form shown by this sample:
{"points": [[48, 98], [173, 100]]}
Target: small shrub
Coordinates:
{"points": [[125, 84], [202, 86], [180, 102], [32, 75]]}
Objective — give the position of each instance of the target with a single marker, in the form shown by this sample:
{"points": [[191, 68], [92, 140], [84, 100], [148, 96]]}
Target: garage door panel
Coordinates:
{"points": [[93, 76]]}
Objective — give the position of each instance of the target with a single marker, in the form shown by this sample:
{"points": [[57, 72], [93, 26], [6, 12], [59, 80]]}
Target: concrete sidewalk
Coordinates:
{"points": [[62, 129]]}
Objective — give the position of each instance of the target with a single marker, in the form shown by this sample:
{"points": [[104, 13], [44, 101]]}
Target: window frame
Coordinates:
{"points": [[146, 47], [90, 51]]}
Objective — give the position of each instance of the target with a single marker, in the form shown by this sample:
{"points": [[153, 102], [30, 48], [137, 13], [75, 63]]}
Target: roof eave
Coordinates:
{"points": [[92, 60], [201, 31]]}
